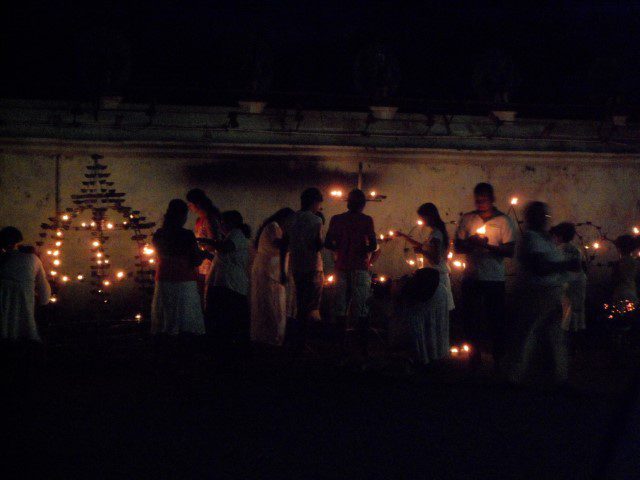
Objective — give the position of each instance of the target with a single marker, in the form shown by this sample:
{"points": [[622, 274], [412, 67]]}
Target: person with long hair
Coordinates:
{"points": [[176, 304], [227, 309], [269, 280], [352, 238], [430, 319], [537, 308], [22, 282], [207, 227], [486, 236]]}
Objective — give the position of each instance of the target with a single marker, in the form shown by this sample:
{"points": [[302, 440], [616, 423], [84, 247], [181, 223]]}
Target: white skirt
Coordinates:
{"points": [[268, 306], [176, 308], [430, 325]]}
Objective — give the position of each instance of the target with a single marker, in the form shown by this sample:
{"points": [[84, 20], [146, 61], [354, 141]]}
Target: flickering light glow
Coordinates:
{"points": [[125, 223], [412, 262], [99, 255], [53, 299], [152, 261], [93, 224], [120, 274], [331, 279], [95, 243], [596, 245], [450, 255], [514, 200], [56, 253], [147, 250], [636, 230], [99, 262], [49, 252], [53, 273], [381, 236], [106, 261], [138, 316], [83, 224], [106, 283], [466, 347], [336, 193], [391, 233], [65, 217], [454, 350], [59, 233], [457, 264], [58, 243], [80, 277], [420, 222], [373, 193], [65, 279], [56, 262], [382, 279], [482, 230]]}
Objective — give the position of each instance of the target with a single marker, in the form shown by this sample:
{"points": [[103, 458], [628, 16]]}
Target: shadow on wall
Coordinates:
{"points": [[290, 173]]}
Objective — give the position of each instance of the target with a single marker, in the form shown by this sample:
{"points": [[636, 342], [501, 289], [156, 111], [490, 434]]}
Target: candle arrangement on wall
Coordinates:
{"points": [[97, 198]]}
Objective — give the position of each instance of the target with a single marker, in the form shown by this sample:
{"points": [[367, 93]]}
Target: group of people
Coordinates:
{"points": [[213, 281]]}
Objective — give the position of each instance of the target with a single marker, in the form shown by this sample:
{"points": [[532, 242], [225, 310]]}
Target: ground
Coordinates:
{"points": [[109, 404]]}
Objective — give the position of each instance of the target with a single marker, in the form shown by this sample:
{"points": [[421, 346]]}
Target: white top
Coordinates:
{"points": [[571, 252], [304, 229], [436, 234], [231, 267], [22, 278], [481, 264], [268, 254], [539, 244]]}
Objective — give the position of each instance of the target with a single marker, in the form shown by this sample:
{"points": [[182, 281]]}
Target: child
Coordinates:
{"points": [[573, 311], [22, 279]]}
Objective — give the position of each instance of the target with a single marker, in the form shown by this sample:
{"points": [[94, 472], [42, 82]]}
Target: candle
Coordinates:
{"points": [[331, 279], [381, 236], [83, 224], [58, 243], [59, 233], [636, 231], [466, 347], [65, 279], [482, 230], [95, 243], [382, 279], [391, 233], [56, 253], [336, 193], [120, 274], [450, 255], [65, 217], [514, 200], [373, 193], [106, 283], [53, 273], [110, 226], [147, 250], [138, 316], [412, 262], [80, 277], [99, 255], [457, 264], [454, 351], [420, 222], [56, 262], [596, 245], [53, 299]]}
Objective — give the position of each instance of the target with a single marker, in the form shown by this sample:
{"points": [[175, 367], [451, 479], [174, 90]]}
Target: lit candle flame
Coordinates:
{"points": [[56, 262], [65, 217], [106, 283], [482, 230], [373, 193], [330, 279], [99, 255], [49, 252], [336, 193], [83, 224], [419, 222], [466, 347], [59, 233], [110, 225], [450, 255], [152, 261], [381, 236], [65, 278], [454, 350], [58, 243], [96, 243], [147, 250], [80, 277], [382, 279], [514, 200], [120, 274], [53, 273], [53, 299], [412, 262], [56, 253], [596, 245], [457, 264], [391, 233], [138, 316], [636, 231], [93, 224]]}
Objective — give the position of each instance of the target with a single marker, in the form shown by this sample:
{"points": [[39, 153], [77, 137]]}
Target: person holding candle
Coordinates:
{"points": [[486, 236], [305, 241], [176, 306], [227, 309], [574, 295], [430, 319], [269, 280], [22, 282], [538, 306], [352, 238], [207, 227]]}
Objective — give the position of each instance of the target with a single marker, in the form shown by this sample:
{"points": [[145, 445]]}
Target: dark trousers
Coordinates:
{"points": [[484, 315], [308, 297], [227, 316]]}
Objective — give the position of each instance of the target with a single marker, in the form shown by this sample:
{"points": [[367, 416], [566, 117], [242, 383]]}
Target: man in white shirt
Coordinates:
{"points": [[486, 236], [305, 239]]}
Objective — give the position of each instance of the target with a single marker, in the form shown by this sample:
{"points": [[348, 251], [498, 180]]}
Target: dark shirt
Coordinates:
{"points": [[352, 237], [178, 255]]}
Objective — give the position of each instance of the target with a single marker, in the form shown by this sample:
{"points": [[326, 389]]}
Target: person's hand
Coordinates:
{"points": [[401, 234]]}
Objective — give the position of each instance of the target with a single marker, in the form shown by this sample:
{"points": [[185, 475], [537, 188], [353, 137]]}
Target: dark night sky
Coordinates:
{"points": [[192, 51]]}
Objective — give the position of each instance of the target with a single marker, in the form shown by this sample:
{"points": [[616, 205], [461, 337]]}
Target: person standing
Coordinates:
{"points": [[430, 319], [306, 239], [486, 236], [176, 306], [227, 310], [22, 281], [575, 285], [269, 280], [207, 227], [538, 306], [352, 238]]}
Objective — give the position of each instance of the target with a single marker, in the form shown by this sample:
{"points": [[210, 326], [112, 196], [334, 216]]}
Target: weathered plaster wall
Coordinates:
{"points": [[606, 194]]}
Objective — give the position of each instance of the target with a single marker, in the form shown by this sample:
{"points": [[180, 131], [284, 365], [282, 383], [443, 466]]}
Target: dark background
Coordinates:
{"points": [[564, 52]]}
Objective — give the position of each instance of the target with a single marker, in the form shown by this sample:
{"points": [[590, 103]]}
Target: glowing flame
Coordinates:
{"points": [[49, 252], [99, 255], [419, 222], [83, 224], [514, 200], [58, 243], [120, 274], [56, 262], [450, 255], [65, 279], [93, 224], [457, 264], [95, 243], [147, 250], [80, 277], [65, 217], [391, 233], [454, 350], [53, 273], [138, 316], [382, 279], [373, 193], [336, 193], [331, 279], [596, 245], [56, 253], [152, 261], [412, 262], [53, 299], [482, 230], [59, 233], [466, 347], [636, 231], [381, 236], [110, 226], [106, 283]]}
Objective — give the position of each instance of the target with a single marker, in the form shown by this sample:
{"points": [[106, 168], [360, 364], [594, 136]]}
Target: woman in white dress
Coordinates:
{"points": [[269, 280], [176, 304], [575, 286], [22, 280], [430, 319]]}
